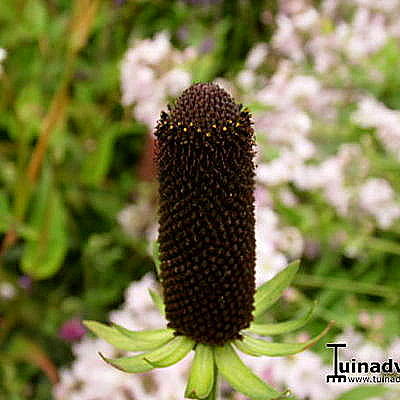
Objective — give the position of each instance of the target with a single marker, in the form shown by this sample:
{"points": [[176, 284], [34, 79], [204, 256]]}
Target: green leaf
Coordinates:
{"points": [[281, 327], [201, 379], [149, 339], [35, 17], [268, 293], [141, 342], [5, 212], [129, 364], [97, 162], [259, 347], [44, 254], [170, 353], [240, 377], [364, 392], [158, 301]]}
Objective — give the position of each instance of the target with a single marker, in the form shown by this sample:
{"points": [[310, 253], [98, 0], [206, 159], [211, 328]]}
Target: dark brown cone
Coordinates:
{"points": [[205, 150]]}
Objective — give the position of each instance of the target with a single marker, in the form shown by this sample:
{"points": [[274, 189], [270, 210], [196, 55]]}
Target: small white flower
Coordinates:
{"points": [[376, 197], [151, 71], [3, 55], [306, 19], [256, 56], [7, 290], [176, 80], [246, 79]]}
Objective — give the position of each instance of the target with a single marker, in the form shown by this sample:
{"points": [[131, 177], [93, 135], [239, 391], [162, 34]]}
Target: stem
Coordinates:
{"points": [[214, 391], [346, 285], [84, 12], [383, 245]]}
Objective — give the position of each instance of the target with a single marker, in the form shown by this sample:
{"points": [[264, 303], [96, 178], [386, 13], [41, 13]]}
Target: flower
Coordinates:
{"points": [[373, 114], [3, 55], [7, 290], [152, 70], [25, 282], [376, 197], [205, 151], [206, 205], [256, 56], [72, 330]]}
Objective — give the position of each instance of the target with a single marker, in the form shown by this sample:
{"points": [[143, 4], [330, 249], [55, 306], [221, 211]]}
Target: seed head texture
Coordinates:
{"points": [[204, 157]]}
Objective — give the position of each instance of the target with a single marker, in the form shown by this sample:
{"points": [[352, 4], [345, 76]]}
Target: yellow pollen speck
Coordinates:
{"points": [[237, 124], [179, 123], [230, 121], [198, 130], [208, 134], [224, 128], [214, 126], [191, 124], [184, 129], [171, 127]]}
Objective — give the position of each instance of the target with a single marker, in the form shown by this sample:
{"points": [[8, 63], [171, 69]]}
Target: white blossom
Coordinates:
{"points": [[376, 197], [7, 290], [246, 79], [256, 56], [3, 55], [373, 114], [151, 71]]}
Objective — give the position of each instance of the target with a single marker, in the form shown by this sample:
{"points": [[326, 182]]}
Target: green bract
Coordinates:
{"points": [[161, 348], [201, 379]]}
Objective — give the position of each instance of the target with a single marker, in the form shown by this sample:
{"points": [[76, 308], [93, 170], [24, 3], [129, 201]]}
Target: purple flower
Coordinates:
{"points": [[183, 33], [25, 282], [72, 330], [206, 46], [201, 2]]}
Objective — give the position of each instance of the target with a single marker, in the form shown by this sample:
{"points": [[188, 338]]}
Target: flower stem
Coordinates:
{"points": [[347, 285]]}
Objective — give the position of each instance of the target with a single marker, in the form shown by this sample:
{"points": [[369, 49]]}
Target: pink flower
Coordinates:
{"points": [[72, 330]]}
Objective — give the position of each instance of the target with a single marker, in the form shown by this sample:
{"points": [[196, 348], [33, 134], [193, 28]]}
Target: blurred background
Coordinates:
{"points": [[82, 84]]}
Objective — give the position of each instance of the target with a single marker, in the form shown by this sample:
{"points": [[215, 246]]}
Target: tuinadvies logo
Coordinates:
{"points": [[362, 372]]}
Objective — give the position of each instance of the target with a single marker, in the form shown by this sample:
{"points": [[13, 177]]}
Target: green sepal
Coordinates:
{"points": [[156, 258], [259, 347], [240, 377], [158, 301], [149, 339], [201, 378], [281, 327], [268, 293], [170, 353], [129, 364], [141, 342]]}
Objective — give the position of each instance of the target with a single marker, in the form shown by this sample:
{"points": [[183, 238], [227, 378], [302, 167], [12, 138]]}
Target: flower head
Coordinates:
{"points": [[206, 235], [205, 150]]}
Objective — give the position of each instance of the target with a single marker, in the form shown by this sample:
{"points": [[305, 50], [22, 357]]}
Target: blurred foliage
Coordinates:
{"points": [[68, 157], [68, 152]]}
